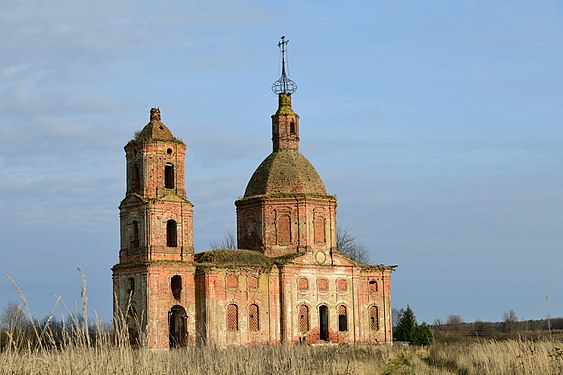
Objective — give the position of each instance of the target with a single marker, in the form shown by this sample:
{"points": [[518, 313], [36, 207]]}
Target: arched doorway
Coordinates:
{"points": [[133, 324], [323, 322], [177, 326]]}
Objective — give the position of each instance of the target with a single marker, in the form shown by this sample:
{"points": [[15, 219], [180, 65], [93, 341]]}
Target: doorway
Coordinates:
{"points": [[323, 322], [177, 327]]}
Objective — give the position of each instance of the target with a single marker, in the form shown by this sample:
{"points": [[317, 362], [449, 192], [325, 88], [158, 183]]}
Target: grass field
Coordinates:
{"points": [[493, 357], [75, 347]]}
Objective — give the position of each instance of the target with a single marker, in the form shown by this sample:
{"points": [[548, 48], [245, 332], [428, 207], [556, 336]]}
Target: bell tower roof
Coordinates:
{"points": [[155, 129]]}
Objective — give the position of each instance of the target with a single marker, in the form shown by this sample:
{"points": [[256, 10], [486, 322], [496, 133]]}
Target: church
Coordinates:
{"points": [[286, 282]]}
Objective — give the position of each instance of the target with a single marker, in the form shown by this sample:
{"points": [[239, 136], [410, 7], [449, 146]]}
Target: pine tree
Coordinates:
{"points": [[423, 335], [406, 329]]}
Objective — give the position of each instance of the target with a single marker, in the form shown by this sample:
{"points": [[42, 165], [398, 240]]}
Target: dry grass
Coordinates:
{"points": [[250, 360], [522, 357], [76, 348]]}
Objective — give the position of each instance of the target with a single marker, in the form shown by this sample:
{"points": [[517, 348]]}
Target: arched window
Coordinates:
{"points": [[253, 282], [253, 318], [284, 230], [292, 128], [373, 319], [341, 286], [372, 286], [303, 316], [320, 230], [171, 234], [342, 318], [322, 284], [232, 317], [232, 281], [169, 176], [176, 286], [135, 235], [302, 283], [136, 179], [130, 286]]}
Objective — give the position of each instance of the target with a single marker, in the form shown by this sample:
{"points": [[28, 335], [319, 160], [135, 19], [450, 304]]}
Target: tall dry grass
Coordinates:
{"points": [[518, 357], [76, 348]]}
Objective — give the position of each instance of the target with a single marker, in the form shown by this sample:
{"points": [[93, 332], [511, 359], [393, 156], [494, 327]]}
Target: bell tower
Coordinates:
{"points": [[156, 218], [155, 271]]}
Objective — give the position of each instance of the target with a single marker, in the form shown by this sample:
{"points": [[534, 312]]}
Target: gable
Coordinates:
{"points": [[321, 258]]}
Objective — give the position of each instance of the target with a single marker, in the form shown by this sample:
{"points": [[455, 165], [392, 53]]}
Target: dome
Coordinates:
{"points": [[285, 172], [155, 130]]}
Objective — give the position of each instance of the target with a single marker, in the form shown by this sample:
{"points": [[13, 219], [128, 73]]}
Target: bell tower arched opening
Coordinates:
{"points": [[177, 320]]}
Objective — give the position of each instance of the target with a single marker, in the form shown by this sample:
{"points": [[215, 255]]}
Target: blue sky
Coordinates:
{"points": [[437, 124]]}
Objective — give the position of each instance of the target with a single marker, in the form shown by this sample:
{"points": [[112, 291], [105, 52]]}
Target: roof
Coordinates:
{"points": [[234, 258], [285, 172], [155, 130]]}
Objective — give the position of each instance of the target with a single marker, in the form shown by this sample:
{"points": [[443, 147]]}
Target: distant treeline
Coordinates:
{"points": [[455, 328]]}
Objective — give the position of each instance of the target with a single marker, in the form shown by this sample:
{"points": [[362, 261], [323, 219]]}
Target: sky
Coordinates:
{"points": [[437, 124]]}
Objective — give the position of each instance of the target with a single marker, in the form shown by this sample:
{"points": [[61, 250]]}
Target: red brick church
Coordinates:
{"points": [[287, 283]]}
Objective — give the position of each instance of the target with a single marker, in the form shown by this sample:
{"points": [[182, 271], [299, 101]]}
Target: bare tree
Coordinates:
{"points": [[509, 320], [349, 246], [454, 323], [13, 318], [229, 242], [396, 315]]}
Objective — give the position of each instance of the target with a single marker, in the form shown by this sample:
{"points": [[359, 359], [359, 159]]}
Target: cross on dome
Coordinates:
{"points": [[284, 85]]}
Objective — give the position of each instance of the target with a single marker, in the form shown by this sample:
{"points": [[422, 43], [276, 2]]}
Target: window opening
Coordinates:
{"points": [[232, 317], [130, 286], [171, 234], [373, 320], [135, 236], [177, 332], [303, 318], [323, 322], [292, 128], [372, 286], [169, 176], [136, 179], [342, 319], [253, 318], [176, 286]]}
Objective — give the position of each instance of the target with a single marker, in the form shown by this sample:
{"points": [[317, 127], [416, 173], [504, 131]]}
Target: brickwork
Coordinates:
{"points": [[289, 285]]}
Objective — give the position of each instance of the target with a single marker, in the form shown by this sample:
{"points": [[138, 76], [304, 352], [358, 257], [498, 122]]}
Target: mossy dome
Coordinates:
{"points": [[155, 130], [285, 172]]}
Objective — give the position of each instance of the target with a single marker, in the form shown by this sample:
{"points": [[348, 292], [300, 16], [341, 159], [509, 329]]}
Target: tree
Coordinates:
{"points": [[229, 242], [455, 323], [348, 245], [509, 320], [423, 335], [13, 318], [406, 328], [396, 315]]}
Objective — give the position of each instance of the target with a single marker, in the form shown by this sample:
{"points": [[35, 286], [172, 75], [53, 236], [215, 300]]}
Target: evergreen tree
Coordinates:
{"points": [[406, 329], [423, 335]]}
